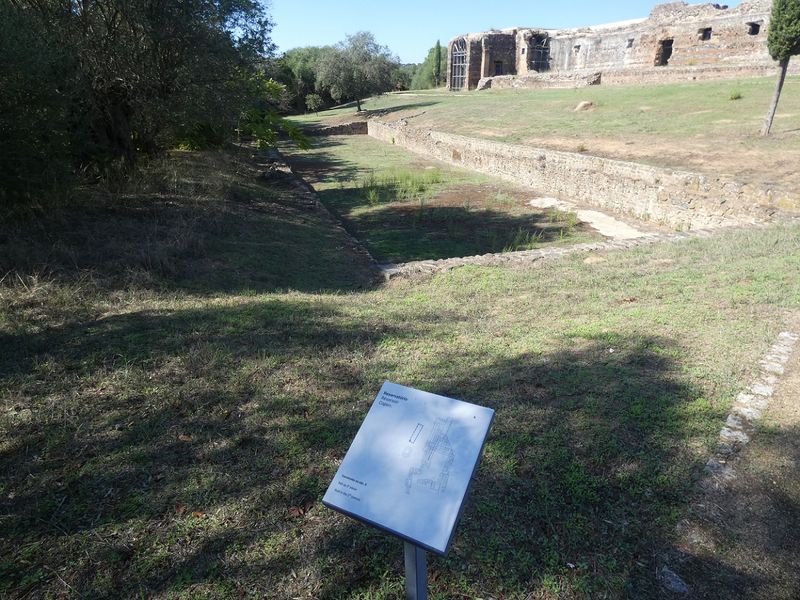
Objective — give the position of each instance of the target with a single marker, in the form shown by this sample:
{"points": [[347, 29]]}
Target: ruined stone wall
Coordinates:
{"points": [[680, 199], [659, 75], [636, 44], [550, 80], [499, 47], [352, 128], [591, 50], [735, 36], [474, 63]]}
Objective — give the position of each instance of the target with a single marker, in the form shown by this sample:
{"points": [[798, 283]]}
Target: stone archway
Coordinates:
{"points": [[458, 65]]}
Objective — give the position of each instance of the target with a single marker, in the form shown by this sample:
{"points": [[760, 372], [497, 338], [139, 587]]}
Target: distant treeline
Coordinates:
{"points": [[311, 80]]}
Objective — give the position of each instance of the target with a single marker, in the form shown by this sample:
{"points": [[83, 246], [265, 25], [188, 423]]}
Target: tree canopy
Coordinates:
{"points": [[783, 42], [298, 71], [356, 68], [98, 83], [431, 72], [784, 29]]}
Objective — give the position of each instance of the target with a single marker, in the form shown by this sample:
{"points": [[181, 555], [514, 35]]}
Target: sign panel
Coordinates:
{"points": [[410, 464]]}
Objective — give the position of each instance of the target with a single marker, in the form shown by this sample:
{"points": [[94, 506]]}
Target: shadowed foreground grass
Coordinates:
{"points": [[173, 440]]}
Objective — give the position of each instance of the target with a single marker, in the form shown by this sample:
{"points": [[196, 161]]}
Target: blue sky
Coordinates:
{"points": [[411, 27]]}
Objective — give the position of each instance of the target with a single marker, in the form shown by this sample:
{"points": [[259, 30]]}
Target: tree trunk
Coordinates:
{"points": [[784, 66], [358, 105]]}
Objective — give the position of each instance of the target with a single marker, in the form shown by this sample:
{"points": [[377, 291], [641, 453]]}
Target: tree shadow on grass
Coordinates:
{"points": [[167, 419], [319, 164], [585, 475], [426, 231], [187, 452], [213, 224]]}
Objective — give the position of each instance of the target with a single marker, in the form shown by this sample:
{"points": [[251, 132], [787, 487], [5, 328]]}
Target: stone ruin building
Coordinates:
{"points": [[678, 41]]}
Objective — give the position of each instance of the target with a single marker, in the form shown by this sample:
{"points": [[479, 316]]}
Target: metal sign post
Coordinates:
{"points": [[416, 572]]}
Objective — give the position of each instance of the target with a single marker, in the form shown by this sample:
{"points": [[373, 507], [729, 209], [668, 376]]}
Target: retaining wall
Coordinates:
{"points": [[352, 128], [680, 199]]}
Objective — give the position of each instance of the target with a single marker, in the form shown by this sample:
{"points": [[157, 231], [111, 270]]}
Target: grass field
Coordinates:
{"points": [[404, 208], [171, 410], [695, 125]]}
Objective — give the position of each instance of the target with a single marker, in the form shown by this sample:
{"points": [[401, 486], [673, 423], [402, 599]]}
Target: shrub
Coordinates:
{"points": [[314, 102]]}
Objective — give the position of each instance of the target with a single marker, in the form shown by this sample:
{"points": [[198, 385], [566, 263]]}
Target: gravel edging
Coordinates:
{"points": [[522, 257], [748, 408]]}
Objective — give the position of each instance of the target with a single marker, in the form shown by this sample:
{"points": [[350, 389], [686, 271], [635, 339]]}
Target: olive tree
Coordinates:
{"points": [[356, 69], [784, 42]]}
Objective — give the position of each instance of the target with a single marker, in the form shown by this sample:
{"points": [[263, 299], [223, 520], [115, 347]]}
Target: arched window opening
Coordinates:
{"points": [[458, 65]]}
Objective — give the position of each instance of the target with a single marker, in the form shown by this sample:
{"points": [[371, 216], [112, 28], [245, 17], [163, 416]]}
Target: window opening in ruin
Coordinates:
{"points": [[753, 28], [576, 48], [540, 53], [458, 65], [522, 51], [664, 53], [630, 43], [498, 67], [704, 34]]}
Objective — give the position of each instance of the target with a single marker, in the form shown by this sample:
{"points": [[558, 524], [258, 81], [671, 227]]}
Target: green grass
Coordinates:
{"points": [[692, 125], [165, 433], [403, 208], [669, 110]]}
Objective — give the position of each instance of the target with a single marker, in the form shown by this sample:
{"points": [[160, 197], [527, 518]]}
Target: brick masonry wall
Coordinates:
{"points": [[680, 199]]}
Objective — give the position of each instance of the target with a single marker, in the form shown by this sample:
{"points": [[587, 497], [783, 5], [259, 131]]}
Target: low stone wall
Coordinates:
{"points": [[352, 128], [659, 75], [680, 199], [542, 81], [632, 76]]}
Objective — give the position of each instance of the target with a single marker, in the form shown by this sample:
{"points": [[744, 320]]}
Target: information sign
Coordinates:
{"points": [[409, 467]]}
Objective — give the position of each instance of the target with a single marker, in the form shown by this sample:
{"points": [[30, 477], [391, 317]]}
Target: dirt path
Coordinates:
{"points": [[602, 222]]}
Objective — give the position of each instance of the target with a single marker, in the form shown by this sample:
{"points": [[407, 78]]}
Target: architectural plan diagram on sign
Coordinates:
{"points": [[410, 464], [437, 458]]}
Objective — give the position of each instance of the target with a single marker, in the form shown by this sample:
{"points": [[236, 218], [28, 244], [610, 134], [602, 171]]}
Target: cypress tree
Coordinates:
{"points": [[783, 42], [437, 66]]}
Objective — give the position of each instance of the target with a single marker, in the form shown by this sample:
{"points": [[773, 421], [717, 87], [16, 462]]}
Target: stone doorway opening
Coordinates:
{"points": [[539, 55], [664, 52], [458, 65]]}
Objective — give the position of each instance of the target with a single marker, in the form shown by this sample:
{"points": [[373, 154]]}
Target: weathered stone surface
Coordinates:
{"points": [[352, 128], [704, 41], [748, 407], [529, 257], [680, 199], [672, 582]]}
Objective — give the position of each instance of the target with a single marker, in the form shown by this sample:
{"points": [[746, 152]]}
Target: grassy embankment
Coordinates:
{"points": [[696, 125], [403, 207], [181, 370]]}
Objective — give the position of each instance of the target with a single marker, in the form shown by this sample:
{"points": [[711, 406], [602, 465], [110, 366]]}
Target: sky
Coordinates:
{"points": [[411, 27]]}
